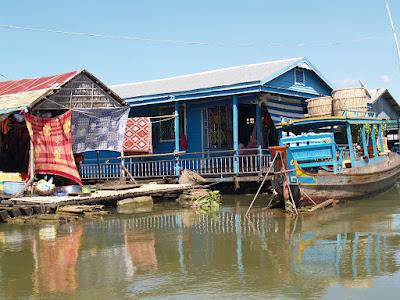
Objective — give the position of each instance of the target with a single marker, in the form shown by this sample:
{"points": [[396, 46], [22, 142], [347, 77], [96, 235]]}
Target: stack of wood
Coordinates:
{"points": [[85, 210], [9, 209]]}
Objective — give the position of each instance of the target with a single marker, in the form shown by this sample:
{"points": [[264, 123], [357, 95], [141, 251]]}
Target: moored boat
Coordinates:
{"points": [[322, 167]]}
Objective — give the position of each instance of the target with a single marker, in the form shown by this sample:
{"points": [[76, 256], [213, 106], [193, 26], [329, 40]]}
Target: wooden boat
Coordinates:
{"points": [[321, 169]]}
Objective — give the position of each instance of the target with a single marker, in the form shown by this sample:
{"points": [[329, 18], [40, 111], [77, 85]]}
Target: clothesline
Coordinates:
{"points": [[165, 118], [84, 112]]}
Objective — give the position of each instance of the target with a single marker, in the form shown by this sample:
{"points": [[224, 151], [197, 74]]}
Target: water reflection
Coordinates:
{"points": [[55, 253], [177, 253], [141, 249]]}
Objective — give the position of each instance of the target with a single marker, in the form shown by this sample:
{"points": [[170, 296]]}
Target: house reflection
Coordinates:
{"points": [[55, 254], [141, 248], [271, 250]]}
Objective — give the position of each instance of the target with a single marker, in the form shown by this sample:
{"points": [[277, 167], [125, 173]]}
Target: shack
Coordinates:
{"points": [[386, 107], [222, 120], [44, 97]]}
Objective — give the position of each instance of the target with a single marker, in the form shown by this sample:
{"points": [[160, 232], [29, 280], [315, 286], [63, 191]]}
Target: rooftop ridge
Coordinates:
{"points": [[207, 72]]}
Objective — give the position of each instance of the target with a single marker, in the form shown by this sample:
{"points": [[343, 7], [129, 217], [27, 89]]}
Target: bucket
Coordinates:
{"points": [[350, 102], [319, 107], [13, 187], [5, 176]]}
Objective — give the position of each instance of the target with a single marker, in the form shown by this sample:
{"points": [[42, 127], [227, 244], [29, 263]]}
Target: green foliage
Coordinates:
{"points": [[356, 131], [208, 204]]}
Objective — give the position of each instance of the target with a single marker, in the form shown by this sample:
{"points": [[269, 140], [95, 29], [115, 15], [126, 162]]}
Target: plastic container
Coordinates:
{"points": [[13, 187], [5, 176]]}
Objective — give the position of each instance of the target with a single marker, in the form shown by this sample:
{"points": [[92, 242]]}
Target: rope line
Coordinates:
{"points": [[192, 43]]}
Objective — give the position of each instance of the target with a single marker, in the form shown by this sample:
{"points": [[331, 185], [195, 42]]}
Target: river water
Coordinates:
{"points": [[351, 251]]}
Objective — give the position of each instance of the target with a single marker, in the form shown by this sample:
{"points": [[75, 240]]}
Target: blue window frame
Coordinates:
{"points": [[299, 77]]}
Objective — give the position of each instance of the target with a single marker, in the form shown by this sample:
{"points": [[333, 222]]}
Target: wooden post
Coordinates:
{"points": [[235, 120], [122, 172], [350, 142], [364, 140], [176, 127], [32, 162], [98, 165], [258, 124], [373, 139], [380, 132]]}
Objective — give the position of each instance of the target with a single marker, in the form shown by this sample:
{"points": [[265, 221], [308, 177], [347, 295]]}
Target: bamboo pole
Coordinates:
{"points": [[123, 175], [153, 155], [262, 184], [32, 161], [129, 173], [31, 172]]}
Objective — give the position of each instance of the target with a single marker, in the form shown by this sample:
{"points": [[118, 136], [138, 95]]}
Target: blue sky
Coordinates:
{"points": [[346, 40]]}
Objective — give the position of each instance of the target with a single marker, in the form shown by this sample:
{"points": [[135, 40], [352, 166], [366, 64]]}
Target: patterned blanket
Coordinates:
{"points": [[138, 136], [99, 129], [51, 138]]}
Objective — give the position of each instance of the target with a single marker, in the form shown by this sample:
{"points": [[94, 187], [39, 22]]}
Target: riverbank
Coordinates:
{"points": [[37, 205]]}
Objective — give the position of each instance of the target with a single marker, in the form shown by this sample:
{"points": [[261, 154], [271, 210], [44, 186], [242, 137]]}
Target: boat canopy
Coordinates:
{"points": [[321, 122]]}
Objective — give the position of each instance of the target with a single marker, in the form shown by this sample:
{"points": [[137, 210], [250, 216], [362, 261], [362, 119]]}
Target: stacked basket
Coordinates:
{"points": [[344, 102], [350, 102], [319, 107]]}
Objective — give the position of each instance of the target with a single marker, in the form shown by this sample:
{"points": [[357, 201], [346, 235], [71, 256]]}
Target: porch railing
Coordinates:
{"points": [[207, 164]]}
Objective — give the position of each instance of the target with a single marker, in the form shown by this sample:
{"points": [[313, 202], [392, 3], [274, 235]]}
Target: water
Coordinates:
{"points": [[351, 251]]}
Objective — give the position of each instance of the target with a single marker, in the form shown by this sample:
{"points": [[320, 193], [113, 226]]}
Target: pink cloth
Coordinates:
{"points": [[138, 136]]}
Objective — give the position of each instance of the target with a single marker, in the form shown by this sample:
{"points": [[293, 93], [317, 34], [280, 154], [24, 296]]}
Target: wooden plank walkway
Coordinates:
{"points": [[106, 195]]}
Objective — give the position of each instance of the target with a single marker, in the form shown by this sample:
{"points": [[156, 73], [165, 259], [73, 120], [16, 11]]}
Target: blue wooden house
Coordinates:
{"points": [[220, 123]]}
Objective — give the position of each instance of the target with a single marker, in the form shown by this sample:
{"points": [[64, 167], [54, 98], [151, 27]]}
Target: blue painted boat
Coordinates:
{"points": [[321, 168]]}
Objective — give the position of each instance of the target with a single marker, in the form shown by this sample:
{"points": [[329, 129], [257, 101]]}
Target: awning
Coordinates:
{"points": [[16, 102], [285, 107]]}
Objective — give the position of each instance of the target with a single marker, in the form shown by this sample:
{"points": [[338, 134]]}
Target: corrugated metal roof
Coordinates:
{"points": [[34, 84], [204, 80], [18, 94], [15, 102], [376, 94]]}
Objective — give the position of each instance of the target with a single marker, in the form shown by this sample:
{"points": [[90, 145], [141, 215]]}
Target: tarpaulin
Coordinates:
{"points": [[52, 143], [99, 129], [285, 107], [138, 136]]}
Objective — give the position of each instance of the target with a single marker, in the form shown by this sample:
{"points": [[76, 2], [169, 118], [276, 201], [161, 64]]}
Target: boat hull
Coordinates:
{"points": [[354, 183]]}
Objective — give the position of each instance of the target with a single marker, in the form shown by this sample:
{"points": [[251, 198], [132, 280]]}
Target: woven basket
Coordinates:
{"points": [[319, 107], [351, 102]]}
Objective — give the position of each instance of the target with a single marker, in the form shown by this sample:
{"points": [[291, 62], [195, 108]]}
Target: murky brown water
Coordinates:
{"points": [[350, 251]]}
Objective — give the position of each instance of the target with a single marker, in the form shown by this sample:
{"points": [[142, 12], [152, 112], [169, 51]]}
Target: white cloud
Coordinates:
{"points": [[385, 78], [346, 82]]}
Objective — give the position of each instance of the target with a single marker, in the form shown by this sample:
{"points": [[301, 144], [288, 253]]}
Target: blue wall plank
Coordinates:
{"points": [[313, 84]]}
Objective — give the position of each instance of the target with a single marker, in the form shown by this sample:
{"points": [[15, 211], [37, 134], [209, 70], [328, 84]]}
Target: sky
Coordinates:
{"points": [[347, 41]]}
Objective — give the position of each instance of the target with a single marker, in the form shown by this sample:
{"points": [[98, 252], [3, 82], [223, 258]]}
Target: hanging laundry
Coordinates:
{"points": [[51, 138], [99, 129], [138, 136], [4, 126]]}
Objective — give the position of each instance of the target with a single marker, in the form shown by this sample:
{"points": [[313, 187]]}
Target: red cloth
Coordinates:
{"points": [[4, 128], [52, 143], [267, 120], [183, 142], [138, 136]]}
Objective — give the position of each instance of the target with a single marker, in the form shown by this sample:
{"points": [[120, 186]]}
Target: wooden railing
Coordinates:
{"points": [[215, 163]]}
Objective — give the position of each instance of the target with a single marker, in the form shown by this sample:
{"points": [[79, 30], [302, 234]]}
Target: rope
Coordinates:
{"points": [[194, 43]]}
